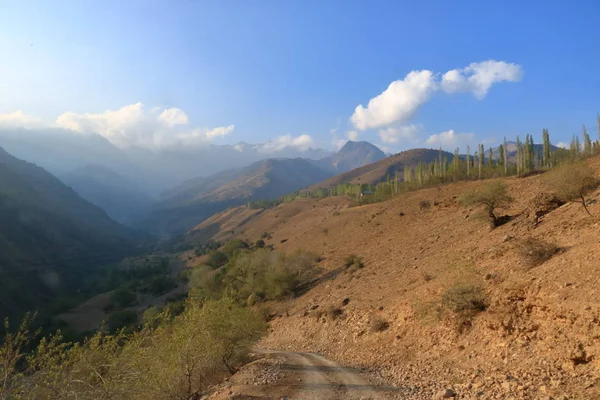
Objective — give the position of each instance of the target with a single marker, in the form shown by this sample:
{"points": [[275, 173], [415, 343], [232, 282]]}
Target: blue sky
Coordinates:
{"points": [[263, 70]]}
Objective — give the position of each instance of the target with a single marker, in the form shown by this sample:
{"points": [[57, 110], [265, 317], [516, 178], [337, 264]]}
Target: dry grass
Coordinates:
{"points": [[534, 252]]}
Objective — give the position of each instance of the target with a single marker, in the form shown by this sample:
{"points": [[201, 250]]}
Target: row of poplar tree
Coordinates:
{"points": [[510, 158]]}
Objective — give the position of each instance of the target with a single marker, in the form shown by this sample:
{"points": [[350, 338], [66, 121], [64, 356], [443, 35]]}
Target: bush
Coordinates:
{"points": [[493, 197], [379, 324], [234, 244], [536, 251], [424, 205], [464, 298], [216, 259], [573, 182], [334, 312], [121, 319], [161, 285], [265, 235], [353, 261], [123, 297], [259, 244]]}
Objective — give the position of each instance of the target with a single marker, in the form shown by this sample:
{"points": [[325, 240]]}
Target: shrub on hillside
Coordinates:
{"points": [[123, 297], [161, 284], [121, 319], [536, 251], [259, 244], [234, 244], [379, 324], [216, 259], [178, 358], [424, 205], [464, 298], [573, 182], [493, 196], [353, 261]]}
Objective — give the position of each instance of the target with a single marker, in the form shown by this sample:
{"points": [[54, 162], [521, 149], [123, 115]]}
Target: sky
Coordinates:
{"points": [[399, 74]]}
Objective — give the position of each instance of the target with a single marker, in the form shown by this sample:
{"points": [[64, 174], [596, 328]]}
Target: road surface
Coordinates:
{"points": [[289, 375]]}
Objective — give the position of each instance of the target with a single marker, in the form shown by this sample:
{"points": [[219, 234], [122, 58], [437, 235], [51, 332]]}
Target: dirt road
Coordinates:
{"points": [[287, 375]]}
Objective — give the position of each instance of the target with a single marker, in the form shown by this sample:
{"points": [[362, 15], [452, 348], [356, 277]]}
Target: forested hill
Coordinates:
{"points": [[49, 236]]}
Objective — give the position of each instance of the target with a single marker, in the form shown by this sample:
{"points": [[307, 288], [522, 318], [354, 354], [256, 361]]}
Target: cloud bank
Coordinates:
{"points": [[134, 126]]}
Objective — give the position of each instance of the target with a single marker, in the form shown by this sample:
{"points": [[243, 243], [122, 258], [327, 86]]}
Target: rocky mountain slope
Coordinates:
{"points": [[536, 337]]}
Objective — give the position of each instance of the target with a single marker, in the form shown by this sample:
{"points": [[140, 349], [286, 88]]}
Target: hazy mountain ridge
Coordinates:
{"points": [[117, 195], [51, 231], [198, 199]]}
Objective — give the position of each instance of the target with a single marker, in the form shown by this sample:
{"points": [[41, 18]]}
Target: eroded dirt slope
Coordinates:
{"points": [[538, 338]]}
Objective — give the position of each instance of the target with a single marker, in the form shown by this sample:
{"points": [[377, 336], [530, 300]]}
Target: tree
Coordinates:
{"points": [[587, 143], [505, 157], [546, 149], [519, 156], [501, 157], [493, 196], [573, 182], [481, 157]]}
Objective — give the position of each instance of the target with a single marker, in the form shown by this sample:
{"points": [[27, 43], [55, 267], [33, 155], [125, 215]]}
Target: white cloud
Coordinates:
{"points": [[479, 77], [302, 142], [403, 98], [132, 125], [563, 145], [333, 131], [398, 103], [401, 133], [173, 116], [450, 139], [18, 119], [352, 135]]}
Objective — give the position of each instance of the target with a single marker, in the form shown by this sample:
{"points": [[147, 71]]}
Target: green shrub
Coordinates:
{"points": [[234, 244], [353, 261], [424, 205], [259, 244], [161, 285], [121, 319], [123, 297], [216, 259]]}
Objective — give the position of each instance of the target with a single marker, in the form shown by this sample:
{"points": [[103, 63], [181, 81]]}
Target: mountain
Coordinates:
{"points": [[118, 196], [354, 155], [189, 204], [379, 171], [61, 151], [49, 236]]}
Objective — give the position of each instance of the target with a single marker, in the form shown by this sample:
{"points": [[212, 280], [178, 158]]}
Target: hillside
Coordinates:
{"points": [[118, 196], [51, 236], [379, 171], [536, 337], [189, 204]]}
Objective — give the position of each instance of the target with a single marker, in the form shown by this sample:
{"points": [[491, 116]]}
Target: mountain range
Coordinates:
{"points": [[186, 205], [50, 237]]}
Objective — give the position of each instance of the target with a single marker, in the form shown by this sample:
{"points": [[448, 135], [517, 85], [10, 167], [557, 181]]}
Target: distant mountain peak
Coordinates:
{"points": [[356, 154]]}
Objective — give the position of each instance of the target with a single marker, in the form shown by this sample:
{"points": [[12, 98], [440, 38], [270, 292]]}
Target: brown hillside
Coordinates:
{"points": [[538, 338], [378, 171]]}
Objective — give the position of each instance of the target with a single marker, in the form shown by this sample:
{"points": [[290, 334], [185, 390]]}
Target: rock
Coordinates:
{"points": [[445, 394]]}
